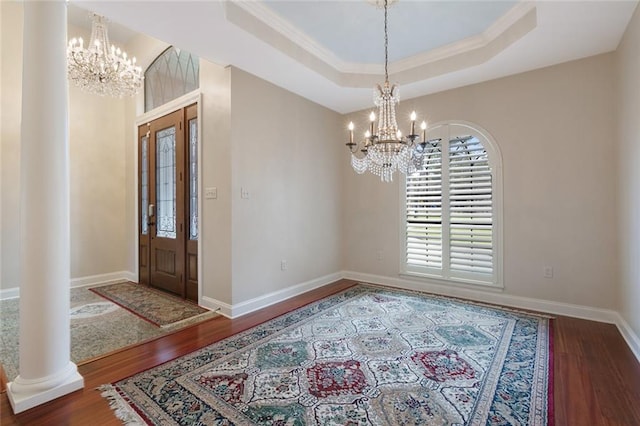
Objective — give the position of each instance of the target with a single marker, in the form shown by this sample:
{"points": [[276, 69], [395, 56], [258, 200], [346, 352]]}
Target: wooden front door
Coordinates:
{"points": [[168, 203]]}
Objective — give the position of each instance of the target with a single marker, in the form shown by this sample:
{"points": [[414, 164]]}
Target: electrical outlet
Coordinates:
{"points": [[548, 271], [244, 193], [379, 254], [283, 265]]}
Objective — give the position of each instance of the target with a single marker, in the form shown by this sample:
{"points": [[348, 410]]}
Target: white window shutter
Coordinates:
{"points": [[470, 207], [449, 211], [424, 211]]}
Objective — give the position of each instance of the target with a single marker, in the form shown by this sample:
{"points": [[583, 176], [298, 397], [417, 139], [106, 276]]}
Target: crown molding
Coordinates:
{"points": [[257, 19], [518, 16], [259, 11]]}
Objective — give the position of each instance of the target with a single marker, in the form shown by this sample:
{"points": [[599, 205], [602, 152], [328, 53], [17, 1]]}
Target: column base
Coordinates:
{"points": [[23, 396]]}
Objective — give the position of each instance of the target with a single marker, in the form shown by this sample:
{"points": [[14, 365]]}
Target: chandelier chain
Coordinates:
{"points": [[386, 44], [384, 149]]}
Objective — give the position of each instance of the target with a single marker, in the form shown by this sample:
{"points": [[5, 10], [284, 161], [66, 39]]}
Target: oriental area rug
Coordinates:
{"points": [[366, 356], [159, 308]]}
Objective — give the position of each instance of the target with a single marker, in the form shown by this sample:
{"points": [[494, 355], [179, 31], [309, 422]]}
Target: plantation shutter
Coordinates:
{"points": [[449, 210], [424, 211], [470, 207]]}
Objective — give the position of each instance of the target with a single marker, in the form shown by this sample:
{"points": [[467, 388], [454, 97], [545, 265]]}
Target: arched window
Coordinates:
{"points": [[453, 208], [174, 73]]}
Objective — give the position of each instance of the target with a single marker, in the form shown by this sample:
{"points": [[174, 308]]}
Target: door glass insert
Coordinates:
{"points": [[144, 185], [166, 182], [193, 179]]}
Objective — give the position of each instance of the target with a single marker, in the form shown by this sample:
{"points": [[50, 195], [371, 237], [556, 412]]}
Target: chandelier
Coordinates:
{"points": [[101, 68], [384, 150]]}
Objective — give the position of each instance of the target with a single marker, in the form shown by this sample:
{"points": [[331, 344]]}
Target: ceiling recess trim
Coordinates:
{"points": [[260, 21]]}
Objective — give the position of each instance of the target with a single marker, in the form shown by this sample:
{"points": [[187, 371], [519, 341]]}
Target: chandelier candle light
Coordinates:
{"points": [[384, 150], [101, 68]]}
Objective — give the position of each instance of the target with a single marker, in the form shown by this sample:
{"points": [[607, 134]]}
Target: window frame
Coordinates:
{"points": [[443, 276]]}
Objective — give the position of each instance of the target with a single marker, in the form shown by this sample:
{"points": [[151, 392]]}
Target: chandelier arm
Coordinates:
{"points": [[73, 56]]}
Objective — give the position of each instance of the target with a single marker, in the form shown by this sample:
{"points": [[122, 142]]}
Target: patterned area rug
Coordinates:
{"points": [[366, 356], [98, 327], [152, 305]]}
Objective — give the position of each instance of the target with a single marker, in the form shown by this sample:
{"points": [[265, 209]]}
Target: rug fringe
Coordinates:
{"points": [[122, 410]]}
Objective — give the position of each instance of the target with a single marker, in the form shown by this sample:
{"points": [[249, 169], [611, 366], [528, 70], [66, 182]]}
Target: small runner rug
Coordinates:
{"points": [[152, 305], [366, 356]]}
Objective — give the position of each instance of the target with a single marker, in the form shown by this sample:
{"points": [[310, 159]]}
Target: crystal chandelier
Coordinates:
{"points": [[101, 68], [384, 150]]}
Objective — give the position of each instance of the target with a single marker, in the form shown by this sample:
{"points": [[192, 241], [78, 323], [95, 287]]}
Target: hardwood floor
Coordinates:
{"points": [[597, 378]]}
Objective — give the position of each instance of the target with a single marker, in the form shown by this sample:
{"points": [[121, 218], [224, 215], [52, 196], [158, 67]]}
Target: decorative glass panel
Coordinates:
{"points": [[166, 182], [193, 179], [174, 73], [144, 185]]}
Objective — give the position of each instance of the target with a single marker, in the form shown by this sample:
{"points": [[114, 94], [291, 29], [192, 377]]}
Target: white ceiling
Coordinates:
{"points": [[332, 51]]}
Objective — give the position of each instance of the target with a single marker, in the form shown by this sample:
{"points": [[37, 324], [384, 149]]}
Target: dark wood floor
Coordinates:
{"points": [[597, 378]]}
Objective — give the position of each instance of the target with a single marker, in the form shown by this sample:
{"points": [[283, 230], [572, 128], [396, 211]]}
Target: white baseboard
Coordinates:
{"points": [[243, 308], [9, 293], [251, 305], [113, 277], [487, 296], [630, 336], [109, 278], [540, 305], [215, 305]]}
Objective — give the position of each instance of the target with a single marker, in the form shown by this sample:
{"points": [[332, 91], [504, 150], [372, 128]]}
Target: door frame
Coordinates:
{"points": [[179, 103]]}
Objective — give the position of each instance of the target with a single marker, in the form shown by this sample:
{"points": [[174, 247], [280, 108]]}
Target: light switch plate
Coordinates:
{"points": [[211, 193]]}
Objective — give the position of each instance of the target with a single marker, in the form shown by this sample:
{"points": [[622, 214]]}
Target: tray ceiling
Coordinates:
{"points": [[331, 52]]}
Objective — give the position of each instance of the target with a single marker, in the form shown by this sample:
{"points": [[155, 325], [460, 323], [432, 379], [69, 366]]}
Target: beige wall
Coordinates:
{"points": [[1, 133], [215, 229], [293, 212], [628, 68], [97, 175], [252, 137], [11, 97], [286, 153], [556, 130], [97, 168]]}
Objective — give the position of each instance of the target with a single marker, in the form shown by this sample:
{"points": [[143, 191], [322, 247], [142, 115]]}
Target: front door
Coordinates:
{"points": [[166, 188]]}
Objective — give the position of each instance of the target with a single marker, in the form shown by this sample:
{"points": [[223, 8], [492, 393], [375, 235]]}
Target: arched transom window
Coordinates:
{"points": [[174, 73]]}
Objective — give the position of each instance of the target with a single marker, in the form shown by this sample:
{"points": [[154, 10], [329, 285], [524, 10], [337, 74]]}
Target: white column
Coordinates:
{"points": [[46, 371]]}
